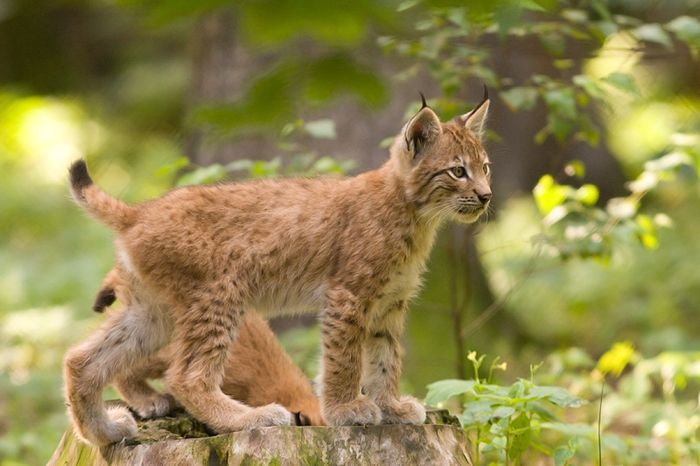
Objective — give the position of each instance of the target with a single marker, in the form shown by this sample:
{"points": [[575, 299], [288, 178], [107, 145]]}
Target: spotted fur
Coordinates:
{"points": [[257, 371], [353, 248]]}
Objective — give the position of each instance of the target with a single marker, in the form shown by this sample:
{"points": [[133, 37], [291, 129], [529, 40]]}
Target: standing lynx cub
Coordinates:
{"points": [[353, 248]]}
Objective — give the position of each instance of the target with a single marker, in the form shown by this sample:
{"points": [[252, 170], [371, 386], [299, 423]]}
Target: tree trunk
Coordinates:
{"points": [[181, 440]]}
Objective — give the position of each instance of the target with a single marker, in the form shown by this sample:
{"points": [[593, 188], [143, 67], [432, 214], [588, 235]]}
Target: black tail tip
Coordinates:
{"points": [[79, 176]]}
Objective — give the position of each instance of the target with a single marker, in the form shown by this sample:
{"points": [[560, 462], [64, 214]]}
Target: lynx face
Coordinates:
{"points": [[449, 175]]}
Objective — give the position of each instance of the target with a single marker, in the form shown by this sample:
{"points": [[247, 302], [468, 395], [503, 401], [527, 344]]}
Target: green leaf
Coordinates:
{"points": [[687, 29], [517, 390], [475, 413], [645, 223], [575, 16], [587, 194], [562, 102], [239, 165], [647, 231], [520, 98], [653, 33], [649, 240], [205, 175], [570, 429], [532, 5], [520, 436], [173, 167], [557, 395], [265, 168], [553, 42], [342, 73], [622, 81], [321, 129], [327, 165], [540, 410], [589, 85], [503, 411], [445, 389], [281, 22], [575, 168], [548, 194], [407, 4], [563, 454]]}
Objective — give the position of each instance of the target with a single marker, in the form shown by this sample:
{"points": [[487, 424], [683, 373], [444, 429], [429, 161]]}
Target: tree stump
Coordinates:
{"points": [[181, 440]]}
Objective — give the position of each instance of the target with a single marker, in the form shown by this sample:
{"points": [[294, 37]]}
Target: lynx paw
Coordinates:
{"points": [[118, 425], [156, 405], [357, 412], [405, 410], [266, 416]]}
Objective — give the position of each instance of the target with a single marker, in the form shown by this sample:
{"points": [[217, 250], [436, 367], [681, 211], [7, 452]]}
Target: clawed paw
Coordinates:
{"points": [[120, 425], [154, 406], [357, 412], [405, 410], [266, 416]]}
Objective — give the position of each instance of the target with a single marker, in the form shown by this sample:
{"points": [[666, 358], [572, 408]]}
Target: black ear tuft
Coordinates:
{"points": [[421, 130], [423, 101], [476, 119], [484, 99]]}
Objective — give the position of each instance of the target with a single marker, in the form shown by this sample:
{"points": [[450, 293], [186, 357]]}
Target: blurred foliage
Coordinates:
{"points": [[521, 422], [295, 159], [108, 82]]}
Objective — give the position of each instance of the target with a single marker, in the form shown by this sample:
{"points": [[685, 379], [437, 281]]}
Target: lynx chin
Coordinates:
{"points": [[354, 249]]}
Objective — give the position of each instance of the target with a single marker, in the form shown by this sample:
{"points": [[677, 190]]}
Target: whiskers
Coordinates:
{"points": [[485, 217], [439, 212]]}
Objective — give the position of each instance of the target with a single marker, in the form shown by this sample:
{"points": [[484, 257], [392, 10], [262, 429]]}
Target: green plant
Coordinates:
{"points": [[648, 413], [295, 160], [506, 421]]}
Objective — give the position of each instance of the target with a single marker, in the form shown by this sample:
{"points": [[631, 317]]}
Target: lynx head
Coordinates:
{"points": [[444, 166]]}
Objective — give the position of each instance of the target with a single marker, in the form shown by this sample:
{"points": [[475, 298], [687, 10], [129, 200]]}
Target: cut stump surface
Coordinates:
{"points": [[181, 440]]}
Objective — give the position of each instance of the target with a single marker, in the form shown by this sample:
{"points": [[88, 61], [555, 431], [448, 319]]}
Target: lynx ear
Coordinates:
{"points": [[421, 130], [476, 119]]}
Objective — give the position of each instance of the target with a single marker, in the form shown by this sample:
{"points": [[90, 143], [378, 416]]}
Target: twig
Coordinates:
{"points": [[497, 305], [600, 413]]}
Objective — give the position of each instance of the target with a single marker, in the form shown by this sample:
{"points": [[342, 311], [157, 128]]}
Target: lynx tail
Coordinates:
{"points": [[107, 209]]}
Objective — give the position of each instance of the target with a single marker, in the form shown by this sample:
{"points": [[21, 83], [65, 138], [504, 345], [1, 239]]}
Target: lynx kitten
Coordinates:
{"points": [[257, 370], [354, 248]]}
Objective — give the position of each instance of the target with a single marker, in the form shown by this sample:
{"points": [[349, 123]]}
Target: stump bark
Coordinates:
{"points": [[181, 440]]}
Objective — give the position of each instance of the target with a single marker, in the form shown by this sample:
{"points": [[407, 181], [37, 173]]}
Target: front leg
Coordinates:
{"points": [[343, 336], [382, 372]]}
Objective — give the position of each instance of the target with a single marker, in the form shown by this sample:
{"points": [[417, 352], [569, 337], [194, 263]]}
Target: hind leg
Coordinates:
{"points": [[204, 332], [138, 393], [121, 342]]}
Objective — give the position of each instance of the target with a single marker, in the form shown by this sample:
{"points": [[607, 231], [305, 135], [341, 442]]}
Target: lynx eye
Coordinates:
{"points": [[458, 172], [487, 169]]}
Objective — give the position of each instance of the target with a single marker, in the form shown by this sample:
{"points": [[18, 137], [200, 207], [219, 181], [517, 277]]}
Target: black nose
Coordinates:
{"points": [[484, 197]]}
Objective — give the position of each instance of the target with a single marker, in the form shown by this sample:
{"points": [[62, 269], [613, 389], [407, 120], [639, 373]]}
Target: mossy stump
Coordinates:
{"points": [[181, 440]]}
